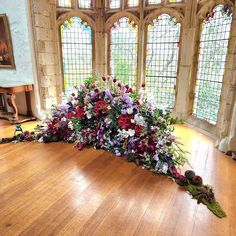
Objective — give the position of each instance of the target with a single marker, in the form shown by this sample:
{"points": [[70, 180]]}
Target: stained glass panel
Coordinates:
{"points": [[211, 64], [123, 51], [76, 39], [162, 59], [133, 3], [85, 3], [64, 3], [154, 1], [114, 4]]}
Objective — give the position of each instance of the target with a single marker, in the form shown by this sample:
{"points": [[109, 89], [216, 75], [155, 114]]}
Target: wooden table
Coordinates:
{"points": [[11, 100]]}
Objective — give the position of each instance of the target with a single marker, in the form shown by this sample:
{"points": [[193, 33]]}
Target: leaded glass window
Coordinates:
{"points": [[133, 3], [163, 37], [213, 50], [154, 1], [64, 3], [76, 39], [84, 3], [123, 51], [114, 4]]}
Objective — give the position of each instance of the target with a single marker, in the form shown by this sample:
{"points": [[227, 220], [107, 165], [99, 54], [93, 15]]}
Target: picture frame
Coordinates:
{"points": [[6, 48]]}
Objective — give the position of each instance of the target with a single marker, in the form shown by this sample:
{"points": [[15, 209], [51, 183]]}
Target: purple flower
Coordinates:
{"points": [[127, 99], [155, 157], [108, 94], [64, 107]]}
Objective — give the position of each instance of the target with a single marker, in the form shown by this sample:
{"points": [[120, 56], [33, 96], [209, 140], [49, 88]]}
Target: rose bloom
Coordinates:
{"points": [[101, 107], [79, 112], [125, 121]]}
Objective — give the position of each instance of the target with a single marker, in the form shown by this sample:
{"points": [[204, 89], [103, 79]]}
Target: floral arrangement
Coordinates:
{"points": [[110, 115]]}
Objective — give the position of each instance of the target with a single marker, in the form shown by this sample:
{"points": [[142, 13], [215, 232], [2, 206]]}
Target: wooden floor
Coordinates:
{"points": [[54, 189]]}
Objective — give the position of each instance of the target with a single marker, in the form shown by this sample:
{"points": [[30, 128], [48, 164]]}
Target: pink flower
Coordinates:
{"points": [[171, 138]]}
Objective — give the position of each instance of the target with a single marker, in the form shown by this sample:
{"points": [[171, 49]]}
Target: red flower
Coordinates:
{"points": [[101, 107], [70, 115], [125, 121], [138, 129], [79, 112]]}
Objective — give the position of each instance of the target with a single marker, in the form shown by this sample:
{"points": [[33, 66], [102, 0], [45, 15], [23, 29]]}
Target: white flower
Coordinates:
{"points": [[165, 168], [90, 106], [40, 140], [70, 125], [130, 110], [108, 121], [131, 132], [139, 120], [63, 119], [88, 114], [126, 133]]}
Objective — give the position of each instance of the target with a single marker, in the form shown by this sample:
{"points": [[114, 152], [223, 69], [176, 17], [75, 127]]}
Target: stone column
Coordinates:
{"points": [[227, 113], [46, 50], [100, 50], [186, 65]]}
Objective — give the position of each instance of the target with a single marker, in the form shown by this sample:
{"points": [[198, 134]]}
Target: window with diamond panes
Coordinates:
{"points": [[76, 42], [64, 3], [162, 55], [133, 3], [114, 4], [213, 50], [123, 51], [154, 1], [84, 3]]}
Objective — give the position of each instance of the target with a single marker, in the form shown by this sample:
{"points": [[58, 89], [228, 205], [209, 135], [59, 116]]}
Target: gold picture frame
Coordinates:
{"points": [[6, 48]]}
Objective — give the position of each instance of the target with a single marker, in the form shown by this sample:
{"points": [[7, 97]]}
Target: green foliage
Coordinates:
{"points": [[213, 206]]}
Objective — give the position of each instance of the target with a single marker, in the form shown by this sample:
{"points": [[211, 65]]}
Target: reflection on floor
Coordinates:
{"points": [[54, 189]]}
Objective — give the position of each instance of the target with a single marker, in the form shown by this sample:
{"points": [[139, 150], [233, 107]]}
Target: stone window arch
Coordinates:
{"points": [[77, 49], [214, 37], [162, 43], [123, 48]]}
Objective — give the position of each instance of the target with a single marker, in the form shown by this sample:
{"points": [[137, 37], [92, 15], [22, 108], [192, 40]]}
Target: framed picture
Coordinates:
{"points": [[6, 49]]}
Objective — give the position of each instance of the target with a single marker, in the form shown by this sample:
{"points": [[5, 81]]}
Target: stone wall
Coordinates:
{"points": [[18, 14], [46, 50]]}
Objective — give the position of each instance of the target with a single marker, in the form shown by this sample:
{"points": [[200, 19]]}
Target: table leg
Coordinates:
{"points": [[11, 100], [1, 103], [28, 104]]}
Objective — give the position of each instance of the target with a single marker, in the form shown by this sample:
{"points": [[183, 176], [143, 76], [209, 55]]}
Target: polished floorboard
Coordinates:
{"points": [[54, 189]]}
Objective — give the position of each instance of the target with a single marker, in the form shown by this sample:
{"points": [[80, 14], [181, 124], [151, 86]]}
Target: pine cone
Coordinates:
{"points": [[197, 180], [189, 174]]}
